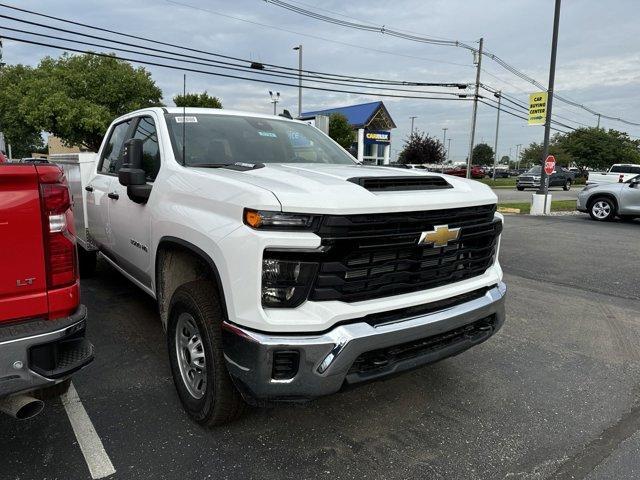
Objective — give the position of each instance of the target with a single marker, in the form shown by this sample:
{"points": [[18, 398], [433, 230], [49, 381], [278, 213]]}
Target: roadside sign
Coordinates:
{"points": [[549, 164], [537, 108]]}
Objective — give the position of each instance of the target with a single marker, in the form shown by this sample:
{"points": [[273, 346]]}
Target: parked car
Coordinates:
{"points": [[500, 173], [42, 324], [560, 177], [604, 202], [476, 172], [276, 260], [33, 160], [618, 173]]}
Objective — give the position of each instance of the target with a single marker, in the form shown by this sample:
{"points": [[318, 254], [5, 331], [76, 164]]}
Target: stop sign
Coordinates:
{"points": [[549, 164]]}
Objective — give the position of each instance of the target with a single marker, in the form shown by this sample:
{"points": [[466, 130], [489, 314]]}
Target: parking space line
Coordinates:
{"points": [[98, 461]]}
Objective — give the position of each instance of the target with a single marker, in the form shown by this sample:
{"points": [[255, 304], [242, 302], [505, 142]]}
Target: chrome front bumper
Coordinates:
{"points": [[39, 353], [326, 361]]}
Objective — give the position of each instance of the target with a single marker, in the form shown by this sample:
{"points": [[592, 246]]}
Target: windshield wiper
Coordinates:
{"points": [[232, 166]]}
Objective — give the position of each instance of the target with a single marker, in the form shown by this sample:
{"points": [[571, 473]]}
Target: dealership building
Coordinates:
{"points": [[373, 125]]}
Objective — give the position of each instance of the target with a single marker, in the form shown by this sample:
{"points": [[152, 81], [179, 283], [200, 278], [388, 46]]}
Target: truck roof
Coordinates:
{"points": [[208, 111]]}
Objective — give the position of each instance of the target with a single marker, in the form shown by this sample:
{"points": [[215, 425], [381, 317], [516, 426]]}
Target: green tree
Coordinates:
{"points": [[482, 154], [22, 135], [200, 100], [505, 159], [76, 97], [341, 131], [532, 155], [421, 148], [598, 148]]}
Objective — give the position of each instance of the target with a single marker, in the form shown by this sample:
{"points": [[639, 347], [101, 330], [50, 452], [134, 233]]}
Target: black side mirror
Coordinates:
{"points": [[131, 174], [635, 183]]}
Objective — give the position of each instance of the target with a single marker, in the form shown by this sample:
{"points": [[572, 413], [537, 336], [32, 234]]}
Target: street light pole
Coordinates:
{"points": [[518, 151], [448, 152], [495, 144], [544, 178], [274, 99], [598, 120], [444, 140], [299, 49], [475, 110], [412, 119]]}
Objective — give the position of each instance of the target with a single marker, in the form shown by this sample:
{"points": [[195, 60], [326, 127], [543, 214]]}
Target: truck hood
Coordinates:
{"points": [[322, 188]]}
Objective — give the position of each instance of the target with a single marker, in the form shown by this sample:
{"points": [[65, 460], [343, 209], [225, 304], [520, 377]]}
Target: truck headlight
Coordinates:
{"points": [[286, 283], [269, 220]]}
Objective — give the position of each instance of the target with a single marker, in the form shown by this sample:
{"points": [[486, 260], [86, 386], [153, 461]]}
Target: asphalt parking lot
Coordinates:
{"points": [[554, 395]]}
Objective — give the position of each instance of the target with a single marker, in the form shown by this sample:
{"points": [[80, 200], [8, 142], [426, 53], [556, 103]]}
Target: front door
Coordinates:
{"points": [[130, 221], [631, 198], [98, 189]]}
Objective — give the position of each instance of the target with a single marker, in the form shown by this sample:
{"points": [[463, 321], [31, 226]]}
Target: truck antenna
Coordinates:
{"points": [[184, 99]]}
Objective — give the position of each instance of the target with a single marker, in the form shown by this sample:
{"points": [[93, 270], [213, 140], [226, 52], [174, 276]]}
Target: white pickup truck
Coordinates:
{"points": [[618, 173], [284, 270]]}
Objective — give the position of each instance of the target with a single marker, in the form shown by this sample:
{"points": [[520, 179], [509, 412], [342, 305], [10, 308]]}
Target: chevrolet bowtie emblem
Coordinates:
{"points": [[440, 236]]}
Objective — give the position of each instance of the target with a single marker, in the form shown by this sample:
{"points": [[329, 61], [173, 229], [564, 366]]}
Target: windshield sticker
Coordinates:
{"points": [[268, 134], [186, 119]]}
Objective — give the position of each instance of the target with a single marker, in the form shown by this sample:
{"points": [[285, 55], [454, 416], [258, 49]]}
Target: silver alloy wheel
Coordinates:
{"points": [[190, 354], [601, 210]]}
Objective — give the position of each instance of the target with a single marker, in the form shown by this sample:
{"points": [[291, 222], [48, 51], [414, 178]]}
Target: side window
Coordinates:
{"points": [[146, 131], [110, 159]]}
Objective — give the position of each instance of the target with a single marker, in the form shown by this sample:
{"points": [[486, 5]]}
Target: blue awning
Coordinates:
{"points": [[359, 116]]}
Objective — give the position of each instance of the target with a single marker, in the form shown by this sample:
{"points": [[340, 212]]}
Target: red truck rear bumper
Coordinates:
{"points": [[39, 353]]}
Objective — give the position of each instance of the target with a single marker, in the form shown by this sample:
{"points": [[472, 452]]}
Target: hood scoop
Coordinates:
{"points": [[396, 184]]}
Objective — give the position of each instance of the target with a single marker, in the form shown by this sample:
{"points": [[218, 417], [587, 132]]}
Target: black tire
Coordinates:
{"points": [[53, 391], [602, 209], [520, 189], [220, 403], [87, 261], [567, 185]]}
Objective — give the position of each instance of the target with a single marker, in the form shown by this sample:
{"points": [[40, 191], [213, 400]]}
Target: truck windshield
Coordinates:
{"points": [[215, 139], [535, 170]]}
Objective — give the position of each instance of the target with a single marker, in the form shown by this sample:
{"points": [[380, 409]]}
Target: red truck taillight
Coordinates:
{"points": [[60, 244]]}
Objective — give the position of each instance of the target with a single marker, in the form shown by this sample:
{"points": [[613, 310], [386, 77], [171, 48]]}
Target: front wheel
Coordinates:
{"points": [[602, 209], [194, 338], [567, 185]]}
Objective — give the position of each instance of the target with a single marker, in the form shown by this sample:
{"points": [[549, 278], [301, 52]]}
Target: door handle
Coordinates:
{"points": [[89, 188], [113, 195]]}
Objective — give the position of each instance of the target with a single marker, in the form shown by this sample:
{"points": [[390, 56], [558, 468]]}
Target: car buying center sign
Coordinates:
{"points": [[537, 108]]}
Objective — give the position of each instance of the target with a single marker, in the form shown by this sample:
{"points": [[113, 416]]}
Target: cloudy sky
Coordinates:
{"points": [[598, 57]]}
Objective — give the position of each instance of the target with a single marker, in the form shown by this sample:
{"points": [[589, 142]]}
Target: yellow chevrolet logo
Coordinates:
{"points": [[440, 236]]}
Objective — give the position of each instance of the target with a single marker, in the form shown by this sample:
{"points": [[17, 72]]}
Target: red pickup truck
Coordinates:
{"points": [[42, 324]]}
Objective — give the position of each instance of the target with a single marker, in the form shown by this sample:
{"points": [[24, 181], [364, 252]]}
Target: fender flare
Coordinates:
{"points": [[198, 252]]}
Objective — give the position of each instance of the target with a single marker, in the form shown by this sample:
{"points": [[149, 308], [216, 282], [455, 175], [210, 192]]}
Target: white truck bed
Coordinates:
{"points": [[78, 168]]}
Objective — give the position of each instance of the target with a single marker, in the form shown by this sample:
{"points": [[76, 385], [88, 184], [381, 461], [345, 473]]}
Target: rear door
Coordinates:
{"points": [[130, 221], [22, 262], [100, 187]]}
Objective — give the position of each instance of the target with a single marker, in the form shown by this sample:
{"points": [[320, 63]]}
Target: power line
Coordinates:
{"points": [[181, 47], [209, 63], [434, 41], [174, 67], [515, 114], [316, 37]]}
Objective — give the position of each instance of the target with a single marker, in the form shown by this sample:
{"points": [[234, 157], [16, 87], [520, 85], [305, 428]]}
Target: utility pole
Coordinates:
{"points": [[518, 148], [498, 94], [544, 178], [596, 113], [475, 110], [444, 140], [299, 49], [412, 119], [448, 154], [274, 99]]}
